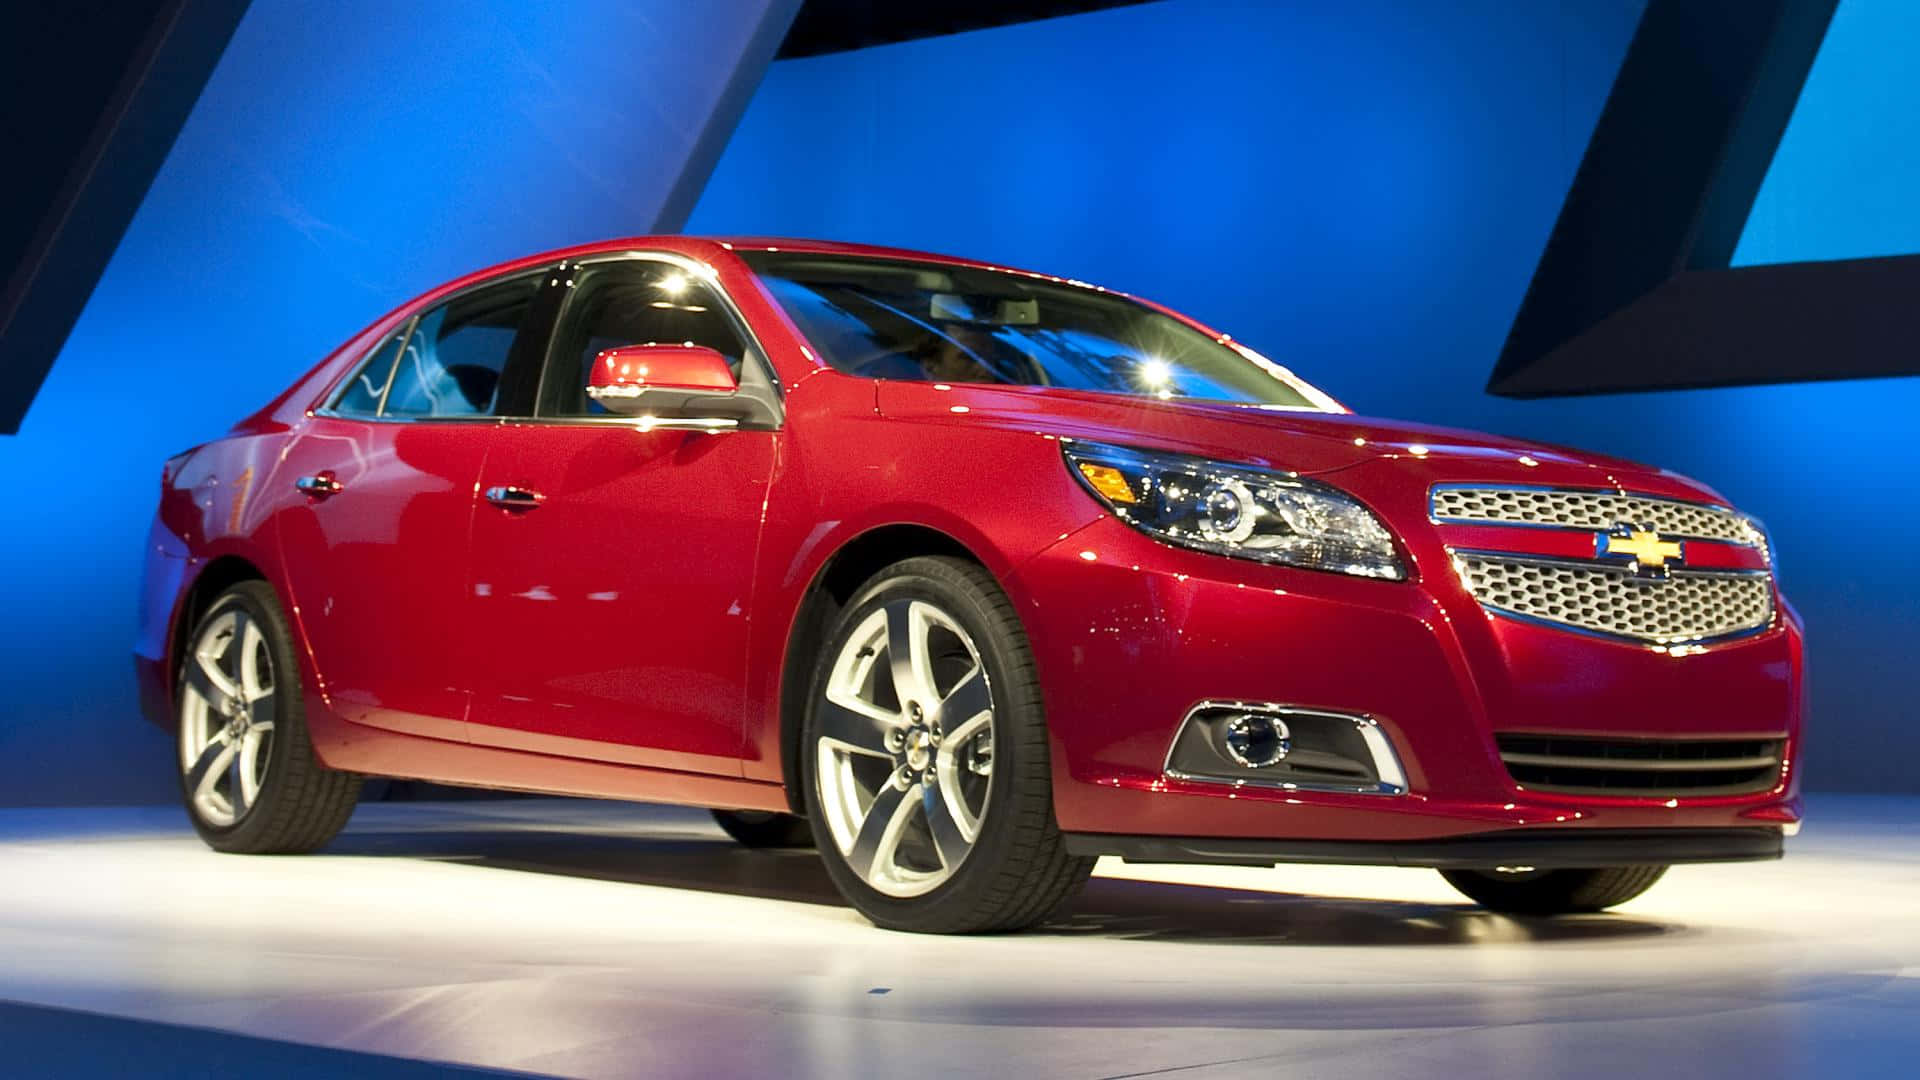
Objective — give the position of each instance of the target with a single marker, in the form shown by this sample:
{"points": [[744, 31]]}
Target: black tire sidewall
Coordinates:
{"points": [[1556, 892], [960, 895], [764, 829], [289, 734]]}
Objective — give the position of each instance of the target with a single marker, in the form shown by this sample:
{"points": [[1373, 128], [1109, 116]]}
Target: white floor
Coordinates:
{"points": [[591, 939]]}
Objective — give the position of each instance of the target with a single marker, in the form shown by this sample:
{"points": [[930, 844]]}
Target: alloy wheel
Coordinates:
{"points": [[226, 717], [905, 748]]}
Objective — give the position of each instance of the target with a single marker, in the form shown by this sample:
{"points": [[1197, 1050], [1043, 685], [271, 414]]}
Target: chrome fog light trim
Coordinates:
{"points": [[1385, 762], [1390, 777]]}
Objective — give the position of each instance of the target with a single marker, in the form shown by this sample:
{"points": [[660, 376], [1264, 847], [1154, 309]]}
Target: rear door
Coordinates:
{"points": [[376, 540]]}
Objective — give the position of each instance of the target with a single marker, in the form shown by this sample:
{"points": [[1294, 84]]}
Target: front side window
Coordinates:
{"points": [[632, 302], [888, 319], [452, 362]]}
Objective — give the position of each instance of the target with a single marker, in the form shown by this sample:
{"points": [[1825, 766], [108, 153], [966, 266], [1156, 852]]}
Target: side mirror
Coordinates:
{"points": [[621, 376]]}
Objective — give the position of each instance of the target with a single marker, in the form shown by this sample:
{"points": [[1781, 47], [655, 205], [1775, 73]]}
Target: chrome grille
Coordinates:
{"points": [[1655, 767], [1596, 510], [1689, 606]]}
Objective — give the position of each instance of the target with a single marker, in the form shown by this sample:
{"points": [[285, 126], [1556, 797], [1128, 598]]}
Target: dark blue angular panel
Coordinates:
{"points": [[1632, 292]]}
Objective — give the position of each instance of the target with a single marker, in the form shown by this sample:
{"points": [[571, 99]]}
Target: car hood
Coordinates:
{"points": [[1301, 441]]}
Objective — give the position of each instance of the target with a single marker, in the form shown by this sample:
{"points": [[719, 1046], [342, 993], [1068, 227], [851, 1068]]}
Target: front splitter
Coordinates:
{"points": [[1537, 848]]}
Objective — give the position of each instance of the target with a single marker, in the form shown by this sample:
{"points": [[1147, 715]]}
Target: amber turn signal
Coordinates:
{"points": [[1109, 482]]}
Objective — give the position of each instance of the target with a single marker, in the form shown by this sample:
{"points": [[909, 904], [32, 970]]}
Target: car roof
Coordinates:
{"points": [[835, 247], [765, 243]]}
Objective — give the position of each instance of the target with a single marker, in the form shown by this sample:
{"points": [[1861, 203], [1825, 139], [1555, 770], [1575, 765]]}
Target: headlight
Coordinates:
{"points": [[1237, 510]]}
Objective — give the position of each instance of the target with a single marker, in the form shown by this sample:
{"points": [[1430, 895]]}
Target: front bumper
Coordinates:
{"points": [[1129, 634]]}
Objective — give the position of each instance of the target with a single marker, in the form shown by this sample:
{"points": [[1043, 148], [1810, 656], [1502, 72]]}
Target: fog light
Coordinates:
{"points": [[1256, 741]]}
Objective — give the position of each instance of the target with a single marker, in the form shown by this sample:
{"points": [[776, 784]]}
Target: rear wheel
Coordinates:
{"points": [[248, 774], [925, 749], [765, 828], [1553, 892]]}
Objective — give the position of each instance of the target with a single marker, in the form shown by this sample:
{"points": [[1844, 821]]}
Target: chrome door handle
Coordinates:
{"points": [[319, 486], [712, 425], [513, 498]]}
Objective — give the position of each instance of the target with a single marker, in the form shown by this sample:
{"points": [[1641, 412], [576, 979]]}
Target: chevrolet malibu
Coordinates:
{"points": [[965, 576]]}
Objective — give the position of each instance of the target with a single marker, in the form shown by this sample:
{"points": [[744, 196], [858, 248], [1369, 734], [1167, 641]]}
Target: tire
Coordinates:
{"points": [[289, 802], [988, 776], [1554, 892], [765, 829]]}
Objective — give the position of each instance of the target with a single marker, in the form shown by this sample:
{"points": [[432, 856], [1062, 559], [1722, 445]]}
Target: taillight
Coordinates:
{"points": [[172, 467]]}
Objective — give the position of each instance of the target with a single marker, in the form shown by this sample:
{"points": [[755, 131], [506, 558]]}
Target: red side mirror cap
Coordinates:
{"points": [[620, 376]]}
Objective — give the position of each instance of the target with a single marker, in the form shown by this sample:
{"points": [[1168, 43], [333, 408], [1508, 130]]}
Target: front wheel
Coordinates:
{"points": [[1553, 892], [248, 774], [925, 750]]}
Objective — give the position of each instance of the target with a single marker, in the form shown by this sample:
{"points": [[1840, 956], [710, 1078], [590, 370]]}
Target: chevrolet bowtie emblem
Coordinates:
{"points": [[1648, 551]]}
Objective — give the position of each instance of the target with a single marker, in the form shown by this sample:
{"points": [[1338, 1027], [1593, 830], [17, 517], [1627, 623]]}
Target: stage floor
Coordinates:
{"points": [[593, 939]]}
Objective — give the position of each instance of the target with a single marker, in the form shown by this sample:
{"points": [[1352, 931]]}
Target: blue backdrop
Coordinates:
{"points": [[1362, 190], [343, 157]]}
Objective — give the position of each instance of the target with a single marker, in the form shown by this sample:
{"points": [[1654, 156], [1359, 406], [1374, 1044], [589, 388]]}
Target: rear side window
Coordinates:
{"points": [[361, 396], [451, 364]]}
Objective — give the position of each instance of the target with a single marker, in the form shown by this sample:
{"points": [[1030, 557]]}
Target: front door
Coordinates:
{"points": [[613, 570]]}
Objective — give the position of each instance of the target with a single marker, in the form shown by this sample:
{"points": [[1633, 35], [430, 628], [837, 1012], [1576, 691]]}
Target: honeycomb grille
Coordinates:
{"points": [[1688, 606], [1596, 510]]}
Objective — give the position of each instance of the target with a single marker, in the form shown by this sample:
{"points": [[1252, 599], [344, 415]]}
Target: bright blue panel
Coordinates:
{"points": [[1842, 183], [1362, 190], [344, 157]]}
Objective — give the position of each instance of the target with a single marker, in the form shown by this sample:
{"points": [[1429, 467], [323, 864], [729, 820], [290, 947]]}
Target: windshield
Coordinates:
{"points": [[931, 322]]}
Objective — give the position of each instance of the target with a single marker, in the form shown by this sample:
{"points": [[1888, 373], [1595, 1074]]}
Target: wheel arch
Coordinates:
{"points": [[220, 574], [850, 565]]}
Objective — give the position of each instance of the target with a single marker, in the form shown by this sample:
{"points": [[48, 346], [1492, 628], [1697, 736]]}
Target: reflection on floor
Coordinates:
{"points": [[593, 939]]}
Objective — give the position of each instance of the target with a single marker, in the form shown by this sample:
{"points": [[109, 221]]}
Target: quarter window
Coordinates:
{"points": [[633, 303], [361, 396], [451, 365]]}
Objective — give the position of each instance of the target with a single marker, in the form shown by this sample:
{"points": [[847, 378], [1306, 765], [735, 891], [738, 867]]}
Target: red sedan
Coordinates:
{"points": [[965, 575]]}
